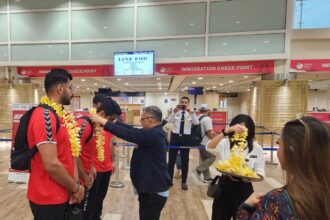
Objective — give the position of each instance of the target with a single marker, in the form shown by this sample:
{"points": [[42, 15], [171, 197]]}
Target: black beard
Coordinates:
{"points": [[65, 100]]}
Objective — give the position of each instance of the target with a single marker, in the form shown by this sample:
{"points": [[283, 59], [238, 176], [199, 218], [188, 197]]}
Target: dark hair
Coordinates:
{"points": [[249, 124], [99, 98], [185, 97], [306, 151], [110, 107], [155, 112], [55, 77]]}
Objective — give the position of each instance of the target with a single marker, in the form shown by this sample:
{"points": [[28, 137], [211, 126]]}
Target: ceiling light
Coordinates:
{"points": [[230, 81], [126, 84], [165, 93], [237, 22], [266, 41], [159, 83], [224, 44], [119, 79], [221, 84], [254, 50], [158, 78], [88, 88], [103, 86], [83, 80], [194, 82], [248, 90], [214, 87], [77, 87], [160, 88], [200, 78], [95, 84], [246, 77]]}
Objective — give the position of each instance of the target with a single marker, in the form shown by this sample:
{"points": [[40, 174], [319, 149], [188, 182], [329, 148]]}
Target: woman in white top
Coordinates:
{"points": [[234, 191]]}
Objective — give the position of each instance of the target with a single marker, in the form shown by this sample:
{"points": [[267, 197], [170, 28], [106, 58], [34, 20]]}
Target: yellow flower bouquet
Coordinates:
{"points": [[235, 165]]}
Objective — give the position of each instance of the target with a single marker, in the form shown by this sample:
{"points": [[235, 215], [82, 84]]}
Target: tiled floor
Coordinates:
{"points": [[122, 204]]}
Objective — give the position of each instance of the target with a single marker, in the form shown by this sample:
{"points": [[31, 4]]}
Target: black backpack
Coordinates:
{"points": [[83, 126], [21, 154], [196, 133]]}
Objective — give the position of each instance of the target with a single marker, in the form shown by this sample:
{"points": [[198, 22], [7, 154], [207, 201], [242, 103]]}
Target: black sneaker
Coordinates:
{"points": [[184, 186]]}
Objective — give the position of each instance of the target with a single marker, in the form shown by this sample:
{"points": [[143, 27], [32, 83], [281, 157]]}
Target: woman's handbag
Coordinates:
{"points": [[215, 187]]}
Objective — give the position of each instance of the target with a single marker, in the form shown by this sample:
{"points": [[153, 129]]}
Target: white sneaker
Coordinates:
{"points": [[207, 180]]}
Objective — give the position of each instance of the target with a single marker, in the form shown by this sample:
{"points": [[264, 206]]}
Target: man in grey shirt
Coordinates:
{"points": [[207, 158]]}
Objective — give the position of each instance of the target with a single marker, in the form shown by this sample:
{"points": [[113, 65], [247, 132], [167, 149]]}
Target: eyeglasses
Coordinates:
{"points": [[144, 118]]}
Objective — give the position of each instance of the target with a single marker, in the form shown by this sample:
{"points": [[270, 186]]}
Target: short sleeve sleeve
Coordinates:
{"points": [[43, 126], [259, 166], [87, 129], [208, 124]]}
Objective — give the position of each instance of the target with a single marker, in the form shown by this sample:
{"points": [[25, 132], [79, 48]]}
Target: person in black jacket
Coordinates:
{"points": [[148, 172]]}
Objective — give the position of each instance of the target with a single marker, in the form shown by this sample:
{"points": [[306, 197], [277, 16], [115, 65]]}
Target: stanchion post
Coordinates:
{"points": [[117, 183], [123, 154], [262, 136], [128, 158], [272, 150]]}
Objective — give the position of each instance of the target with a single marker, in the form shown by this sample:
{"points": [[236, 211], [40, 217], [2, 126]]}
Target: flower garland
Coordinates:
{"points": [[100, 139], [236, 164], [69, 123]]}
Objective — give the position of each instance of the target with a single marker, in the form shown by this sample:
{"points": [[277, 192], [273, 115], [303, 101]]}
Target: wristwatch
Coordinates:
{"points": [[224, 133]]}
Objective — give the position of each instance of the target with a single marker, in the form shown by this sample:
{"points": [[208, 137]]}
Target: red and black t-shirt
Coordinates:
{"points": [[87, 149], [42, 188], [106, 165]]}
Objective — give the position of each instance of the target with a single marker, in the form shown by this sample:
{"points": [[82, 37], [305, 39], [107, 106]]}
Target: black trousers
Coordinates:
{"points": [[233, 193], [96, 196], [48, 212], [177, 140], [151, 205]]}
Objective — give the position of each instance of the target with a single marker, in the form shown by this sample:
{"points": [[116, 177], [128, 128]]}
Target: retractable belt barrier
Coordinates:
{"points": [[5, 139], [185, 147], [272, 149], [5, 131], [117, 183]]}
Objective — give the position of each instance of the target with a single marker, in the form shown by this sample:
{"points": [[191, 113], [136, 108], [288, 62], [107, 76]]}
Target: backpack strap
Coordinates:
{"points": [[58, 122], [203, 116], [200, 119], [83, 126], [46, 109]]}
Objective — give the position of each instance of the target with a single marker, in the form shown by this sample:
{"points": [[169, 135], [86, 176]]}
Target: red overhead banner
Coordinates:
{"points": [[241, 67], [323, 116], [76, 71], [310, 65]]}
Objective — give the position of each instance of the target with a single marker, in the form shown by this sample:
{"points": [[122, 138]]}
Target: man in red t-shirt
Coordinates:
{"points": [[52, 184], [88, 148], [104, 169]]}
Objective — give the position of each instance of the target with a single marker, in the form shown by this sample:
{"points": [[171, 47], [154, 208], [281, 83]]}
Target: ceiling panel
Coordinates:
{"points": [[161, 83]]}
